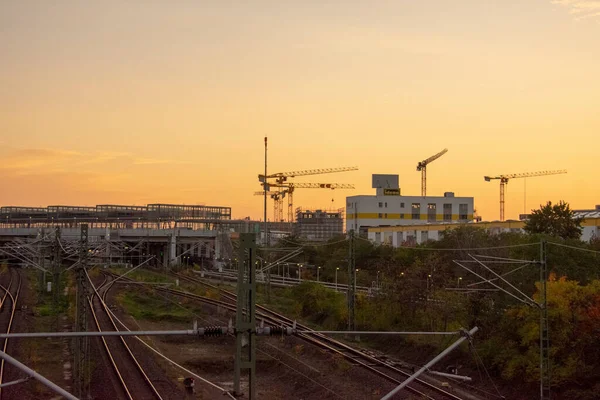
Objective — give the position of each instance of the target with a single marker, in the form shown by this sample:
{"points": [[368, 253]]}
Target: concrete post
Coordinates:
{"points": [[173, 248]]}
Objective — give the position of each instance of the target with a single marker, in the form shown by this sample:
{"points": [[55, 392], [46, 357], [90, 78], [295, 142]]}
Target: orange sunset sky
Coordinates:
{"points": [[142, 101]]}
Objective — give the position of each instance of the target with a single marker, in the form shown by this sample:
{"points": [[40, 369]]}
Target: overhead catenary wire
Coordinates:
{"points": [[527, 302], [314, 244], [474, 350], [210, 383], [508, 273], [158, 352], [301, 374], [503, 280], [458, 249], [574, 247]]}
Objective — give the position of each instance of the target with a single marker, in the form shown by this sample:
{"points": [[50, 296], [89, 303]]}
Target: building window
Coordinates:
{"points": [[447, 212], [401, 205], [378, 237], [379, 215], [424, 236], [349, 205], [431, 210], [463, 210], [380, 205], [416, 210], [386, 204], [402, 216], [385, 215]]}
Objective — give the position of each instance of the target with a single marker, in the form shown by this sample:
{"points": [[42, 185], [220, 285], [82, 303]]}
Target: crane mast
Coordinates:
{"points": [[422, 166], [505, 178], [288, 188]]}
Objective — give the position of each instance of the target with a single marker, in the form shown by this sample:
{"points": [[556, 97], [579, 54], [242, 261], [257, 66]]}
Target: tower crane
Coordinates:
{"points": [[504, 181], [422, 166], [288, 187]]}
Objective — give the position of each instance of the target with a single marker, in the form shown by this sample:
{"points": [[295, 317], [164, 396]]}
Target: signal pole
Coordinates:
{"points": [[56, 267], [544, 337], [81, 314], [351, 281], [265, 188], [245, 321]]}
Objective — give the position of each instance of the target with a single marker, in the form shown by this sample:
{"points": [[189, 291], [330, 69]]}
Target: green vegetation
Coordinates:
{"points": [[154, 308], [46, 305], [414, 298], [144, 275], [554, 220]]}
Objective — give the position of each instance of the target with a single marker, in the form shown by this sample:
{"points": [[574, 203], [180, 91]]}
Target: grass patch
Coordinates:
{"points": [[144, 307], [45, 303], [144, 275]]}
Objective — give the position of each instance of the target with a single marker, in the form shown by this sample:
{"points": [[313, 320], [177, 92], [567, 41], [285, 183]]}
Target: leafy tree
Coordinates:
{"points": [[555, 220], [574, 318]]}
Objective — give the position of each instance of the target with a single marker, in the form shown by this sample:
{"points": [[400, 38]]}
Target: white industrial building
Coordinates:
{"points": [[417, 234], [389, 208]]}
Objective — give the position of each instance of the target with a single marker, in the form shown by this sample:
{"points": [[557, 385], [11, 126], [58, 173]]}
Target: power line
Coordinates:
{"points": [[460, 249], [574, 247]]}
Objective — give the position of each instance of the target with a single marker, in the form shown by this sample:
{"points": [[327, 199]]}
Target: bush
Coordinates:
{"points": [[320, 304]]}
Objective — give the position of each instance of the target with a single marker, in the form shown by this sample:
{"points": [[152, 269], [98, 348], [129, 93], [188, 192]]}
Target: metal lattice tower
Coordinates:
{"points": [[422, 166], [81, 314], [351, 281], [504, 181], [544, 336], [245, 322], [56, 261], [41, 260]]}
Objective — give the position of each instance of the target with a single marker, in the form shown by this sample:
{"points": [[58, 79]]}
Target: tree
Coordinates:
{"points": [[555, 220]]}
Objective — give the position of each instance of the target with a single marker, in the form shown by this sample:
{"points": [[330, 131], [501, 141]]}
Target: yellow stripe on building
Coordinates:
{"points": [[407, 216]]}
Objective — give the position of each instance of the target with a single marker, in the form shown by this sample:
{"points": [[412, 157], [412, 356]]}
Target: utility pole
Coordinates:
{"points": [[56, 260], [351, 281], [245, 321], [544, 337], [42, 258], [265, 189], [81, 314]]}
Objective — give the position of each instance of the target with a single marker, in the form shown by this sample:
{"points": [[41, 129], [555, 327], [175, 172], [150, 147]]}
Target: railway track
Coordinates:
{"points": [[8, 306], [377, 366], [134, 381]]}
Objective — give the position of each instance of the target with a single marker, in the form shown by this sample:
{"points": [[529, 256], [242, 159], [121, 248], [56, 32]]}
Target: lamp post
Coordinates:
{"points": [[336, 271], [458, 281], [318, 269], [428, 278]]}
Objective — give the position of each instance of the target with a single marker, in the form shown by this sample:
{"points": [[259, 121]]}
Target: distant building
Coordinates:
{"points": [[417, 234], [319, 225], [389, 207]]}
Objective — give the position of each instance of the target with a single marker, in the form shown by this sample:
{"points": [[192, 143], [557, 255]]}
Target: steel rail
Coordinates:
{"points": [[101, 299], [105, 307], [315, 338], [14, 300]]}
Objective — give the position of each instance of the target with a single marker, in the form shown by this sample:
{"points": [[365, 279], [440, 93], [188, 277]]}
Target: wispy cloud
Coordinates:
{"points": [[581, 9], [52, 161], [156, 161]]}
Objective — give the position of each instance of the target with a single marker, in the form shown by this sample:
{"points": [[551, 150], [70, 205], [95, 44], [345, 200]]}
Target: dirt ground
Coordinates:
{"points": [[287, 367]]}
